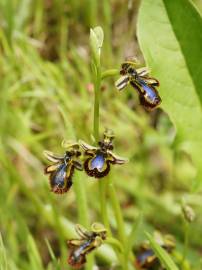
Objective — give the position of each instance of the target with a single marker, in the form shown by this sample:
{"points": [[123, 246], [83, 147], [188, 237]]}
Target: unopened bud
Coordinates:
{"points": [[188, 213]]}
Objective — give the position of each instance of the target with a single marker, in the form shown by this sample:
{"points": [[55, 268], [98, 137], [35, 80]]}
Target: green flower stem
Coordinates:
{"points": [[82, 206], [97, 82], [96, 70], [103, 182], [117, 213], [96, 39], [103, 204], [186, 242], [119, 221]]}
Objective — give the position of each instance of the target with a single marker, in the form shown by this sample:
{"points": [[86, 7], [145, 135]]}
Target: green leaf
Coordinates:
{"points": [[52, 255], [163, 256], [34, 256], [55, 263], [3, 257], [173, 53], [133, 235], [182, 13]]}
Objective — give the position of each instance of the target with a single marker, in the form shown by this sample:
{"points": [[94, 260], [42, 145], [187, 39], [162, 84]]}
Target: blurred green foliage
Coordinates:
{"points": [[46, 95]]}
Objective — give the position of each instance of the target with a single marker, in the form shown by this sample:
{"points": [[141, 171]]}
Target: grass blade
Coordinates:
{"points": [[163, 256]]}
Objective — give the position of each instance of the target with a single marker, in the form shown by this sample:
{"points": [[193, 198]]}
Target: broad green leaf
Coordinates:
{"points": [[182, 13], [168, 50], [163, 256], [198, 4]]}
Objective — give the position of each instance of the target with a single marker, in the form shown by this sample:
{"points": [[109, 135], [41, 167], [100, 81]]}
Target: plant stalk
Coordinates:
{"points": [[103, 204], [82, 206], [103, 183], [97, 91], [120, 223], [186, 242]]}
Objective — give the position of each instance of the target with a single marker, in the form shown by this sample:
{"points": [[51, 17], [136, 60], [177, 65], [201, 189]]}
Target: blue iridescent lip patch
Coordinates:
{"points": [[98, 162], [99, 159], [62, 169], [139, 79]]}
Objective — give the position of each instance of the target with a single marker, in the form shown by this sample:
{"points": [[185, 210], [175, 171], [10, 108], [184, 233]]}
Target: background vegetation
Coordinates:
{"points": [[46, 95]]}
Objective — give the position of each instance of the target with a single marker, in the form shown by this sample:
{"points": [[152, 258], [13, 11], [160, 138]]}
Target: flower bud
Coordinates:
{"points": [[188, 213]]}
